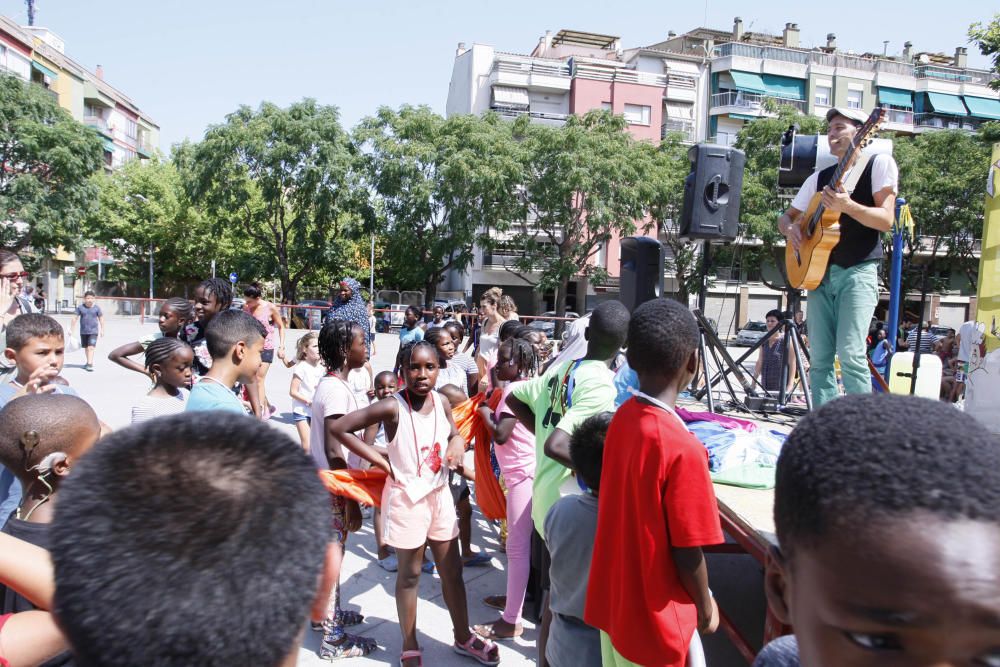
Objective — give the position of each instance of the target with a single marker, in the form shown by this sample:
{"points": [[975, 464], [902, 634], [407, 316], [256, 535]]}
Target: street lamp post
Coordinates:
{"points": [[150, 270]]}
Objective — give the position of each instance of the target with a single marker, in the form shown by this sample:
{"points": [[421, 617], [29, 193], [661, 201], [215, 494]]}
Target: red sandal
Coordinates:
{"points": [[482, 654]]}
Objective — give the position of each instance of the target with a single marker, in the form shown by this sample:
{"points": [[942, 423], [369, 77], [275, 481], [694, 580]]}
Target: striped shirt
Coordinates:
{"points": [[927, 340], [151, 407]]}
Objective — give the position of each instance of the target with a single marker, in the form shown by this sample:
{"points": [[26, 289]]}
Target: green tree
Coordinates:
{"points": [[663, 189], [143, 205], [987, 37], [46, 160], [760, 203], [583, 185], [284, 179], [940, 175], [439, 184]]}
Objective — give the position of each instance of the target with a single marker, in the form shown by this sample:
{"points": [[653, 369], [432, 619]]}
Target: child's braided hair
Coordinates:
{"points": [[160, 351], [522, 353], [181, 307], [335, 340], [220, 289]]}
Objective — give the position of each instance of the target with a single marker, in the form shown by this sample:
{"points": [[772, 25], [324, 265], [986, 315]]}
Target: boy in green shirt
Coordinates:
{"points": [[553, 405]]}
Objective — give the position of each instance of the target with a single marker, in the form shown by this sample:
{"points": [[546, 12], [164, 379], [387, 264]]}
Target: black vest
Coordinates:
{"points": [[857, 243]]}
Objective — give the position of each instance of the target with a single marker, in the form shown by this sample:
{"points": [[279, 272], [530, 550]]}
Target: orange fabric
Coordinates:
{"points": [[364, 486], [489, 495]]}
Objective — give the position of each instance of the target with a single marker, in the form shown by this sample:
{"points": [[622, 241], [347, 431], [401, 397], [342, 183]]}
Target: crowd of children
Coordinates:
{"points": [[184, 519]]}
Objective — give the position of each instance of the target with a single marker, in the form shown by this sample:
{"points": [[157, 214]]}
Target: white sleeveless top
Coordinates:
{"points": [[413, 444]]}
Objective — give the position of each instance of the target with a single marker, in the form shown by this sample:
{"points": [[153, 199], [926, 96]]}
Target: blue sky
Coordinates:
{"points": [[190, 63]]}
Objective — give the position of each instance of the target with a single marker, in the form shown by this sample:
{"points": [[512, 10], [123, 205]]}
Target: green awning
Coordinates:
{"points": [[897, 97], [982, 107], [748, 81], [742, 116], [44, 70], [143, 152], [109, 146], [947, 104], [784, 86]]}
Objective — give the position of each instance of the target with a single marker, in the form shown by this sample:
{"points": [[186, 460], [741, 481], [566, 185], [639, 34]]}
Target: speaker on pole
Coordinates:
{"points": [[641, 270], [712, 193]]}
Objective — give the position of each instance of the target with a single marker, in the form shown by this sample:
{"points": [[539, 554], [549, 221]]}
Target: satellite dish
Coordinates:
{"points": [[924, 58]]}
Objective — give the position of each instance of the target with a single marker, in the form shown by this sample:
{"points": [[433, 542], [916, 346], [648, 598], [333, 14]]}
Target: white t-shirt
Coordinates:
{"points": [[453, 374], [360, 380], [885, 174], [309, 376], [970, 336], [333, 397], [151, 407]]}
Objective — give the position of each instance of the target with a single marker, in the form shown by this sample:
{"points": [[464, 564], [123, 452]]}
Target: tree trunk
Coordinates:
{"points": [[561, 293], [430, 292]]}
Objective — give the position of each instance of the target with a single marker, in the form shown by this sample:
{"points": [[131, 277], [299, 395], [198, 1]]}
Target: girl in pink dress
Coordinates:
{"points": [[417, 506]]}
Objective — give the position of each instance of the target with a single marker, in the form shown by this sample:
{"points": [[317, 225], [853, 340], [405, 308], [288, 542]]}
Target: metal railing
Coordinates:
{"points": [[675, 80], [944, 122], [685, 127], [96, 122], [899, 116], [958, 75], [514, 112], [596, 72], [531, 67], [755, 101], [723, 139]]}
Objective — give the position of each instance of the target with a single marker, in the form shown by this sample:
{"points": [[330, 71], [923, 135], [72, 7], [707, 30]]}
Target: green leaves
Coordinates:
{"points": [[988, 39], [46, 160]]}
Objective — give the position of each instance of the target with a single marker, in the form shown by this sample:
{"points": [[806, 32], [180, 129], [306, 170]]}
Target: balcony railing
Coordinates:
{"points": [[96, 122], [723, 139], [531, 67], [754, 101], [585, 71], [954, 74], [942, 122], [684, 127], [899, 116], [512, 112], [681, 81]]}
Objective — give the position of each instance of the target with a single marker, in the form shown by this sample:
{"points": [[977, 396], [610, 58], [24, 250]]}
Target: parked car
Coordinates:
{"points": [[939, 330], [310, 318], [238, 303], [752, 332], [548, 327], [396, 313]]}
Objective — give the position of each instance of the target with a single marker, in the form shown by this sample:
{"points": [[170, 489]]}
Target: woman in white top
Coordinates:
{"points": [[492, 308]]}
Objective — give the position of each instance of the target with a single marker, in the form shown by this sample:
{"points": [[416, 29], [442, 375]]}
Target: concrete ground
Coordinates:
{"points": [[112, 390]]}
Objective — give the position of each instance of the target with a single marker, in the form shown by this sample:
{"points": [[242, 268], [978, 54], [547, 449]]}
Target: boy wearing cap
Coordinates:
{"points": [[840, 309]]}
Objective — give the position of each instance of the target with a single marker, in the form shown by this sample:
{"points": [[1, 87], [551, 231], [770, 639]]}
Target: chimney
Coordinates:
{"points": [[831, 42], [791, 35], [737, 29], [99, 72], [907, 51], [461, 49], [961, 57]]}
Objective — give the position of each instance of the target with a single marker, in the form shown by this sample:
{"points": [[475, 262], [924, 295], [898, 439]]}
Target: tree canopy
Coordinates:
{"points": [[285, 179], [46, 161], [438, 184]]}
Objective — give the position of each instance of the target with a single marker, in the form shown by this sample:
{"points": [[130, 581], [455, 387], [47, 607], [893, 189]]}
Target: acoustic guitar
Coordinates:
{"points": [[820, 227]]}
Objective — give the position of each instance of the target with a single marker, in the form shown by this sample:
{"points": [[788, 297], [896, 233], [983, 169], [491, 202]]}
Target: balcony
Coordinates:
{"points": [[928, 122], [98, 124], [530, 73], [743, 102], [953, 74], [684, 127], [725, 139], [5, 69], [800, 57], [598, 73], [41, 86], [541, 117]]}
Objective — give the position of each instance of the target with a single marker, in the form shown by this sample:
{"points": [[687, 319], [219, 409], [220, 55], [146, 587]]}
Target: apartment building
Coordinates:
{"points": [[37, 55], [572, 72]]}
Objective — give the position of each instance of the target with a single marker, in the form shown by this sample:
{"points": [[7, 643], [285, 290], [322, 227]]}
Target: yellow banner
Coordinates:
{"points": [[988, 292]]}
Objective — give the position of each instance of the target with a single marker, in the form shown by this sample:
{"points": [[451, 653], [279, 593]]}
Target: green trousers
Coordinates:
{"points": [[840, 313]]}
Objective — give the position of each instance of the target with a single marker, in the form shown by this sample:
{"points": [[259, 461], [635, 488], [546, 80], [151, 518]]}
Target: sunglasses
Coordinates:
{"points": [[16, 274]]}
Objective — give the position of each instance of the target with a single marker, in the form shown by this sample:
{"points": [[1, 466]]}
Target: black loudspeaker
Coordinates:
{"points": [[641, 270], [712, 193]]}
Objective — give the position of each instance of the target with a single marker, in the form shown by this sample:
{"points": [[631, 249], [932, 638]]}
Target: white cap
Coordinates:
{"points": [[857, 115]]}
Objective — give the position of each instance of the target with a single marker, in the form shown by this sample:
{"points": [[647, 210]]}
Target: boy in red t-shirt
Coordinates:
{"points": [[648, 589]]}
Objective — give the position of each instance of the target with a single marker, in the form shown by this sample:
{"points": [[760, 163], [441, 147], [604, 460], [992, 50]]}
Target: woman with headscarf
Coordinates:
{"points": [[350, 306]]}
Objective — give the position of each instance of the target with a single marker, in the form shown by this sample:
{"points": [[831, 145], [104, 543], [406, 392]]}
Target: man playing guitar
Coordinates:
{"points": [[840, 309]]}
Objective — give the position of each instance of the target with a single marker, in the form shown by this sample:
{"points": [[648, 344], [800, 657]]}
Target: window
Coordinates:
{"points": [[636, 114], [131, 128], [854, 99], [607, 106], [822, 96]]}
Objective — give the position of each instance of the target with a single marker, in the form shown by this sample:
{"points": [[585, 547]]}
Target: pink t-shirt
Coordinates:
{"points": [[333, 397], [516, 456], [267, 312], [420, 443]]}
